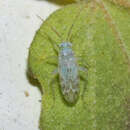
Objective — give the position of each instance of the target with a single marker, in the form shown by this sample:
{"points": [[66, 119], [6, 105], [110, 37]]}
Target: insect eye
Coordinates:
{"points": [[64, 45], [61, 45]]}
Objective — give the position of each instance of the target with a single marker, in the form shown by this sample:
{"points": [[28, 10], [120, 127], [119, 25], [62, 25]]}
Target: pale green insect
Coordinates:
{"points": [[68, 69]]}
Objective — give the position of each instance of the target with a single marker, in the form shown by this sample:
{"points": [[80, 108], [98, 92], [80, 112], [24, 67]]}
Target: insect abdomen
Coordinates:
{"points": [[69, 80]]}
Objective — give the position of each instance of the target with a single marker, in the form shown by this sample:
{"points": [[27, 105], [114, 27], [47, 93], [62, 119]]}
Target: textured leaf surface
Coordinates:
{"points": [[101, 36], [124, 3]]}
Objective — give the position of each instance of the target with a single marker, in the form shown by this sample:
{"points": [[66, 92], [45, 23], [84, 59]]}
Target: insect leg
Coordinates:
{"points": [[55, 72], [83, 69], [52, 60], [84, 78], [82, 62], [51, 83]]}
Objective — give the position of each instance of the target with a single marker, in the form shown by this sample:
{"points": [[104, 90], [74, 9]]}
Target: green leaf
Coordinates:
{"points": [[101, 36], [123, 3]]}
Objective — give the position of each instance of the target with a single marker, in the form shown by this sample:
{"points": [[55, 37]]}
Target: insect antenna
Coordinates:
{"points": [[52, 28], [70, 30], [55, 46]]}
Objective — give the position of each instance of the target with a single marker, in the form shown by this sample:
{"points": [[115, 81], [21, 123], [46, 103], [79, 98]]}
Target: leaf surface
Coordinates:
{"points": [[100, 36]]}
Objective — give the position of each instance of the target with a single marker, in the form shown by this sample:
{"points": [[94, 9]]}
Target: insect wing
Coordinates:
{"points": [[69, 79]]}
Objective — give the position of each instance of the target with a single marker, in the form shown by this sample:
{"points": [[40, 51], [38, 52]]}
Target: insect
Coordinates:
{"points": [[68, 69]]}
